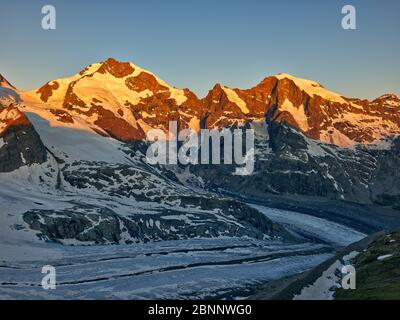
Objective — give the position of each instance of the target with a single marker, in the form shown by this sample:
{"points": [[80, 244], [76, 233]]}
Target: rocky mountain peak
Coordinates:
{"points": [[20, 144], [10, 116], [4, 83], [116, 68], [388, 98]]}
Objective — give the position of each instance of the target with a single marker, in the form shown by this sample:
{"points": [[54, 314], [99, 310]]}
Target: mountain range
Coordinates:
{"points": [[125, 101], [76, 146]]}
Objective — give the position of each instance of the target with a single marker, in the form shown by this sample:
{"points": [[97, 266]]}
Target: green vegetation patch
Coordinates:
{"points": [[377, 271]]}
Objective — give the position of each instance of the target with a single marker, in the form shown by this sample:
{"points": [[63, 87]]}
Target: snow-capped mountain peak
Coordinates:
{"points": [[307, 106], [312, 88], [121, 98]]}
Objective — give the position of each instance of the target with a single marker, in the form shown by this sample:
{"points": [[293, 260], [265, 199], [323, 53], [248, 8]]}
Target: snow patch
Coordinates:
{"points": [[298, 114], [233, 97], [384, 257], [2, 143]]}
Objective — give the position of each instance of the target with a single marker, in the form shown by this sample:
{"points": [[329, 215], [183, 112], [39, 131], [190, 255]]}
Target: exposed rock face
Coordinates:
{"points": [[116, 127], [385, 186], [11, 116], [19, 142], [156, 208], [144, 81], [103, 225], [47, 90], [288, 162], [116, 68]]}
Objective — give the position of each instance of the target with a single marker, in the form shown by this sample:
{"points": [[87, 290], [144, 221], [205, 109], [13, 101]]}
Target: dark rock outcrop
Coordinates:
{"points": [[20, 144]]}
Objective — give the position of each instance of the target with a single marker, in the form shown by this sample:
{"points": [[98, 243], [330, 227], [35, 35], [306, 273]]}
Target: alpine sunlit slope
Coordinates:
{"points": [[125, 101], [119, 97], [308, 107]]}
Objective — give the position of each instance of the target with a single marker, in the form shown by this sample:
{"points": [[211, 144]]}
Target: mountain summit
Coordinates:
{"points": [[120, 98]]}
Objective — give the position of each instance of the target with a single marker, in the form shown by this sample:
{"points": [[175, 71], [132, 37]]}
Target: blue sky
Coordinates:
{"points": [[196, 44]]}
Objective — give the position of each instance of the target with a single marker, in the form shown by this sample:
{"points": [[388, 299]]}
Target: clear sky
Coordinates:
{"points": [[196, 44]]}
